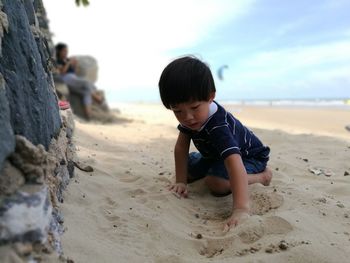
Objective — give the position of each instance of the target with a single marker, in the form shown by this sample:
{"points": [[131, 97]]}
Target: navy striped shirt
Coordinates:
{"points": [[223, 135]]}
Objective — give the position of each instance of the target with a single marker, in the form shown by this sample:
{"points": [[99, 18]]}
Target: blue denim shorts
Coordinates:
{"points": [[199, 167]]}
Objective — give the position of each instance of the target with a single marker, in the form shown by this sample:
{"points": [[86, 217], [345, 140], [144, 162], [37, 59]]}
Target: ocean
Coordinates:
{"points": [[334, 103], [312, 103]]}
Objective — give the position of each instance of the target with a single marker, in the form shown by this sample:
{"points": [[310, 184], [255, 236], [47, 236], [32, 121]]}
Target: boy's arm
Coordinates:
{"points": [[181, 158], [239, 187]]}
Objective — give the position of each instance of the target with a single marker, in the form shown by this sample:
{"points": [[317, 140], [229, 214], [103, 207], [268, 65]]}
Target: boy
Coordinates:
{"points": [[230, 156]]}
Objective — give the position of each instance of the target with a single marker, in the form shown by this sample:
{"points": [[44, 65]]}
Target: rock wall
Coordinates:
{"points": [[31, 190], [36, 149], [28, 101]]}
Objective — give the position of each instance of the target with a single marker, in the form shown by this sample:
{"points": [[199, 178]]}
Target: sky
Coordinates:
{"points": [[272, 49]]}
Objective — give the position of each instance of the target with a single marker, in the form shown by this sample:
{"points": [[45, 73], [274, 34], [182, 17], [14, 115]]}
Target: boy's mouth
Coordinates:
{"points": [[193, 125]]}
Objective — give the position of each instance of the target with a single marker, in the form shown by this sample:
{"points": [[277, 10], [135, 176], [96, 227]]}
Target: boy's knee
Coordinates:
{"points": [[217, 186]]}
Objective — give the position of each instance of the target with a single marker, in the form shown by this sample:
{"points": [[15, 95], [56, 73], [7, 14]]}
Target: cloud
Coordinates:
{"points": [[314, 70], [278, 64], [132, 40]]}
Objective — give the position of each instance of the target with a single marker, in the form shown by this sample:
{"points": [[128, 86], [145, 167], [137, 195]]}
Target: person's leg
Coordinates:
{"points": [[77, 84], [87, 111], [218, 182], [218, 186], [263, 178], [97, 97], [221, 187], [257, 172], [83, 87], [87, 101], [197, 167], [217, 179]]}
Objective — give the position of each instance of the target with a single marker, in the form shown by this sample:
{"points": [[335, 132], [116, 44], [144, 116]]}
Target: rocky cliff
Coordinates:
{"points": [[28, 102], [36, 150]]}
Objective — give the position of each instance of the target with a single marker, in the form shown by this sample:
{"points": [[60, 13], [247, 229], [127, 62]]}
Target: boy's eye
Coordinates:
{"points": [[176, 111], [195, 107]]}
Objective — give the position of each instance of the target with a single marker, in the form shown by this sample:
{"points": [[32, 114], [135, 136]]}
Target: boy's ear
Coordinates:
{"points": [[212, 96]]}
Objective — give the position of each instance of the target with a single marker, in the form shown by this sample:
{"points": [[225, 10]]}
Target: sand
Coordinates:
{"points": [[122, 211]]}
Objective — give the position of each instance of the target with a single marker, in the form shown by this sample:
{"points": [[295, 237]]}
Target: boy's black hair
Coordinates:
{"points": [[58, 48], [185, 79]]}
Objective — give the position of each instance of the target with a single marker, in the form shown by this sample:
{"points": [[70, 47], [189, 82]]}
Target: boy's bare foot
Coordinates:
{"points": [[263, 178], [266, 177]]}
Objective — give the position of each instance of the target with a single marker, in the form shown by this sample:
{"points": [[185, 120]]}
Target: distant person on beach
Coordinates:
{"points": [[67, 69], [230, 156]]}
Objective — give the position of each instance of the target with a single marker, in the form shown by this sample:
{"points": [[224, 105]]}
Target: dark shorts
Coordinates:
{"points": [[199, 167]]}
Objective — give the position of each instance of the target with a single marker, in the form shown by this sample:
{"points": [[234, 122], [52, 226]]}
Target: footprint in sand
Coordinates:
{"points": [[129, 179], [163, 179], [139, 194], [111, 202], [107, 209], [136, 192]]}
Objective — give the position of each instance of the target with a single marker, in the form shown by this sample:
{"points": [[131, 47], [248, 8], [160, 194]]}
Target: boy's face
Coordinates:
{"points": [[193, 114]]}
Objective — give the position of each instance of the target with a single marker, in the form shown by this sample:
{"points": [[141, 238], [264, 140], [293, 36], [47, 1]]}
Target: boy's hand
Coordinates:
{"points": [[179, 189], [237, 217]]}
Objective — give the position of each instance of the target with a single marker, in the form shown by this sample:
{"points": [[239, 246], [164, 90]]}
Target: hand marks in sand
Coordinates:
{"points": [[202, 217], [196, 221], [244, 238], [257, 227]]}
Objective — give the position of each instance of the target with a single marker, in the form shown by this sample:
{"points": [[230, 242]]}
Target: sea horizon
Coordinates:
{"points": [[343, 103]]}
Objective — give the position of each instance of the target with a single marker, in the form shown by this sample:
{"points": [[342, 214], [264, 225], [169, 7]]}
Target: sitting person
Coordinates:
{"points": [[67, 70]]}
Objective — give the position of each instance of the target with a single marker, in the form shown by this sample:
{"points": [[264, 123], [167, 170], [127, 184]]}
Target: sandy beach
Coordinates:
{"points": [[122, 211]]}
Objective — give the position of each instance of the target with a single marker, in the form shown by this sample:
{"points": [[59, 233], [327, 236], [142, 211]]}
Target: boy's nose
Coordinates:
{"points": [[188, 116]]}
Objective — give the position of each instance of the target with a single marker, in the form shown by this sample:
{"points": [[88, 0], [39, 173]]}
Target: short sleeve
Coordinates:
{"points": [[224, 141]]}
